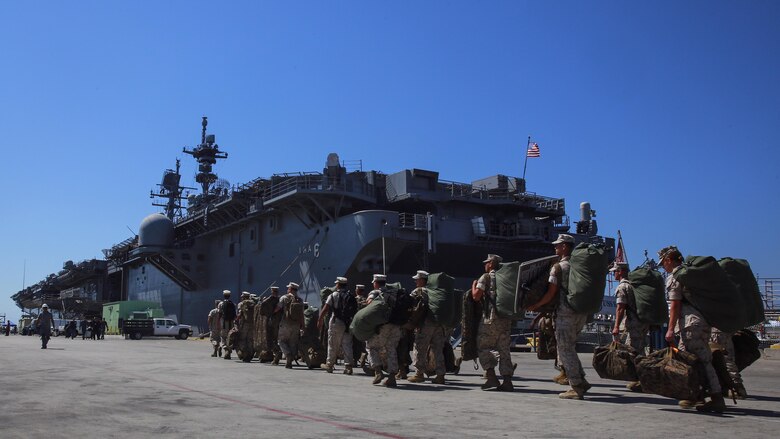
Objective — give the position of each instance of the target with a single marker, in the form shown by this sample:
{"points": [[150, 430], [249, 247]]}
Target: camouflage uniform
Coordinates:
{"points": [[429, 336], [289, 330], [338, 337], [215, 328], [226, 325], [568, 324], [386, 341], [246, 323], [494, 330], [694, 332], [637, 331], [724, 340]]}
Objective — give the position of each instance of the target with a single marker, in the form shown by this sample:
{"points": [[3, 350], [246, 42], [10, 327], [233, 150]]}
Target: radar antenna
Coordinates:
{"points": [[206, 154], [172, 191]]}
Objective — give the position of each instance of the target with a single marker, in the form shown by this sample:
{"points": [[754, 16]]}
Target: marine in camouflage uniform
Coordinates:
{"points": [[494, 331], [386, 341], [227, 310], [215, 330], [289, 328], [246, 322], [430, 335], [338, 330], [693, 329], [568, 323], [724, 340], [626, 307]]}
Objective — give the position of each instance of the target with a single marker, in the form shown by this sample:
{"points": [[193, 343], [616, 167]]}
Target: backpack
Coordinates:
{"points": [[587, 278], [347, 307], [741, 275], [649, 296], [228, 310], [709, 290], [293, 311]]}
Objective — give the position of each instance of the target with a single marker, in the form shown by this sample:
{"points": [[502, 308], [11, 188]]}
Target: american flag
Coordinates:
{"points": [[533, 151]]}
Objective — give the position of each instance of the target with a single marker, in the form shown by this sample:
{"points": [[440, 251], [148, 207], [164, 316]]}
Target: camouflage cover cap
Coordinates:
{"points": [[491, 257], [379, 278], [619, 266], [667, 251], [420, 275], [226, 293], [293, 285], [341, 280], [564, 238]]}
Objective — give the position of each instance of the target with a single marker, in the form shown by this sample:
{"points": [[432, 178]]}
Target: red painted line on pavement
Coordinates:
{"points": [[274, 410]]}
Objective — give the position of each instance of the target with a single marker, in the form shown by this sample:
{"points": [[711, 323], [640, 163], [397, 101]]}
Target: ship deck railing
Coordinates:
{"points": [[465, 190], [314, 182]]}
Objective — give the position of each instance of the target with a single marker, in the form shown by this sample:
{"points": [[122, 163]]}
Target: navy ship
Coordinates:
{"points": [[309, 228]]}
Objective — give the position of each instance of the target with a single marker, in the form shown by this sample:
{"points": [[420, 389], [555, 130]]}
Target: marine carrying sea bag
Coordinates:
{"points": [[709, 290], [670, 372], [615, 362], [587, 278], [368, 319], [649, 296]]}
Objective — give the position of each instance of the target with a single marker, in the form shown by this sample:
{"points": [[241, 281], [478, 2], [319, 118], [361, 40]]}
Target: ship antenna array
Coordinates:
{"points": [[206, 154]]}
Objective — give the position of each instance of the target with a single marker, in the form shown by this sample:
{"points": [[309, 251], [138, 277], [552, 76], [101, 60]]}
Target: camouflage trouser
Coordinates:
{"points": [[223, 338], [696, 340], [723, 339], [637, 335], [430, 335], [338, 337], [495, 335], [568, 325], [386, 343], [289, 333], [215, 337]]}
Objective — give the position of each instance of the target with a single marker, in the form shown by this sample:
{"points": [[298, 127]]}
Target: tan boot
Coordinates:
{"points": [[716, 404], [390, 381], [328, 367], [492, 380], [277, 357], [401, 375], [377, 376], [688, 403], [507, 385], [439, 379], [348, 369], [227, 355], [562, 379], [576, 392], [418, 377], [634, 386]]}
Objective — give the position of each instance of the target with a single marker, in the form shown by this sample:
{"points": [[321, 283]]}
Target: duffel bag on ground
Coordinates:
{"points": [[670, 372], [615, 361]]}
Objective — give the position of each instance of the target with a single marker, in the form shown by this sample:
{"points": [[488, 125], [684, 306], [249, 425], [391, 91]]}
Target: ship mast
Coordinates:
{"points": [[206, 154], [172, 191]]}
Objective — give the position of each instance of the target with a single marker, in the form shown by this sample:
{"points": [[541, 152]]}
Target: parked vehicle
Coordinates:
{"points": [[136, 329]]}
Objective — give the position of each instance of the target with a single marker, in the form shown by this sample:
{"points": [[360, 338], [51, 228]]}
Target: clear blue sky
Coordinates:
{"points": [[664, 115]]}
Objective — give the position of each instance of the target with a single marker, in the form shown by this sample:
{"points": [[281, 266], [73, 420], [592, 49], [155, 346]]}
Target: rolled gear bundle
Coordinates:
{"points": [[368, 320], [615, 362], [587, 278], [649, 296], [709, 290], [741, 275], [672, 373]]}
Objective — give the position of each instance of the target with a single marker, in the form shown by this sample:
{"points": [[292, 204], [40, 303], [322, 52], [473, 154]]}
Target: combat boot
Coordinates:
{"points": [[288, 364], [492, 380], [739, 392], [390, 381], [716, 404], [377, 376], [348, 369], [507, 385], [585, 385], [439, 379], [227, 355], [418, 377], [688, 403], [276, 359], [576, 392], [328, 367], [562, 379], [634, 386], [401, 375], [362, 360], [215, 351]]}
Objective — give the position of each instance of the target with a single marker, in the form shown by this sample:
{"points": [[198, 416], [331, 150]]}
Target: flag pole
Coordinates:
{"points": [[526, 157]]}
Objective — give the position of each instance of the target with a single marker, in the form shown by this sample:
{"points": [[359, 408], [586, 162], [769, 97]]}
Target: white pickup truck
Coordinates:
{"points": [[136, 329]]}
